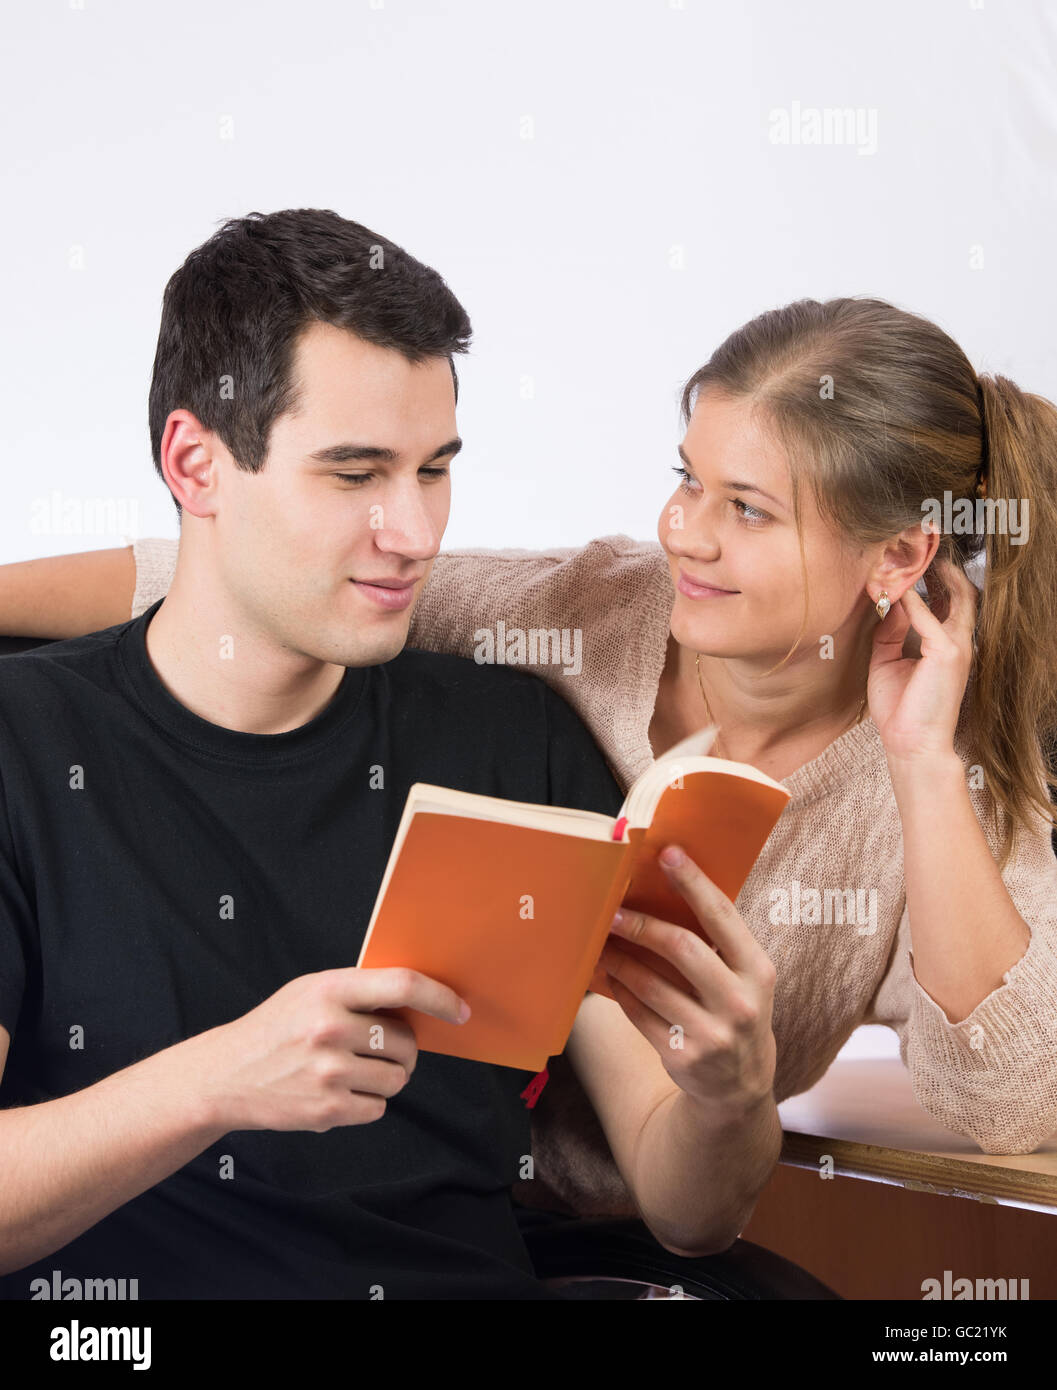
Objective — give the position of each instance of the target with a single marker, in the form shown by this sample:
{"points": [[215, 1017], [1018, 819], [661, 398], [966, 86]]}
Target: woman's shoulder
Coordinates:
{"points": [[614, 588], [607, 569], [601, 553]]}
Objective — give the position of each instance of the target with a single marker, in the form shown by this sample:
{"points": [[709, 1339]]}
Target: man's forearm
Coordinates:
{"points": [[699, 1173], [69, 1162]]}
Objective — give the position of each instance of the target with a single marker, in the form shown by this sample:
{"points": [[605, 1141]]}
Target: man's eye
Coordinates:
{"points": [[432, 473]]}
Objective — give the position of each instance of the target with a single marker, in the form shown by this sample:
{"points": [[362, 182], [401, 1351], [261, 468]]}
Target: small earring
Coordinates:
{"points": [[882, 605]]}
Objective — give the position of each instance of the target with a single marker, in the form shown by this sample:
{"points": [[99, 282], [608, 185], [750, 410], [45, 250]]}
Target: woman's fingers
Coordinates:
{"points": [[713, 1033], [649, 1000], [718, 916], [954, 603], [720, 977]]}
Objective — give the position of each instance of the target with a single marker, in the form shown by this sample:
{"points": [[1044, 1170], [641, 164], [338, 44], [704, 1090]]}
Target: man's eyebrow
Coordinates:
{"points": [[736, 487], [351, 453]]}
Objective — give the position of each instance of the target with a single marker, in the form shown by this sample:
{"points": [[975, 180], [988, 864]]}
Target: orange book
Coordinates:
{"points": [[510, 903]]}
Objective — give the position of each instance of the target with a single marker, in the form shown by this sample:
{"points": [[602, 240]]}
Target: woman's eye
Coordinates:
{"points": [[751, 516]]}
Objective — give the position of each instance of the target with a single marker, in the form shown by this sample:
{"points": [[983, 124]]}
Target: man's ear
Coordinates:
{"points": [[188, 463]]}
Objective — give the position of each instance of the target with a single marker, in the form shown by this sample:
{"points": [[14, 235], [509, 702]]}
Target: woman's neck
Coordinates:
{"points": [[792, 715]]}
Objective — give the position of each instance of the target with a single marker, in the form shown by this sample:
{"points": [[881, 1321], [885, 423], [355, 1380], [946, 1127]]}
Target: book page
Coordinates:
{"points": [[566, 820]]}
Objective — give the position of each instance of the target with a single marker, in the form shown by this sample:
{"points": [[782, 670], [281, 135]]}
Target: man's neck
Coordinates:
{"points": [[212, 659]]}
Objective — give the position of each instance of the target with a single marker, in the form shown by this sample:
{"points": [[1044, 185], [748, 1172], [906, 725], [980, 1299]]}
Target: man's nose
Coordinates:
{"points": [[407, 525]]}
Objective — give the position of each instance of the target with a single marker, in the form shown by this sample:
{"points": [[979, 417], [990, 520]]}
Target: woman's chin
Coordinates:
{"points": [[704, 637]]}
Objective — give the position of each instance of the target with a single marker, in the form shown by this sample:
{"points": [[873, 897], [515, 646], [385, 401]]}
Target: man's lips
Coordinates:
{"points": [[387, 593]]}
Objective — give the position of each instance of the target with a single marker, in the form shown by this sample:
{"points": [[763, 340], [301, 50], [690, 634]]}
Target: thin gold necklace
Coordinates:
{"points": [[704, 697]]}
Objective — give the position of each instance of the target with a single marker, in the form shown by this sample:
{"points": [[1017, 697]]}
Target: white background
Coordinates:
{"points": [[596, 179]]}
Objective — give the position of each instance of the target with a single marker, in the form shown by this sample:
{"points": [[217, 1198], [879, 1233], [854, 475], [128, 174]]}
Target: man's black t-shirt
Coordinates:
{"points": [[161, 875]]}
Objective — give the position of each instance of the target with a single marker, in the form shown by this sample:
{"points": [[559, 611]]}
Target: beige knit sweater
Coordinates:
{"points": [[996, 1082]]}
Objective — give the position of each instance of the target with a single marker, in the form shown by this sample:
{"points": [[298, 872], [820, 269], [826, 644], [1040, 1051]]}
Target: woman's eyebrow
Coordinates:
{"points": [[736, 487]]}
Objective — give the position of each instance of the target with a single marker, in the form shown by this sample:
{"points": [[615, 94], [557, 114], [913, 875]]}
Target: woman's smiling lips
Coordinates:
{"points": [[387, 593], [692, 589]]}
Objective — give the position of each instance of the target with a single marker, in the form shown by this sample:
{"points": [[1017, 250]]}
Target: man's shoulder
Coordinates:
{"points": [[445, 674], [66, 658], [54, 688], [503, 720], [488, 702]]}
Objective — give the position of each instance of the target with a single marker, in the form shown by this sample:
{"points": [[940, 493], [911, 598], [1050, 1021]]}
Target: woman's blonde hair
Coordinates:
{"points": [[882, 413]]}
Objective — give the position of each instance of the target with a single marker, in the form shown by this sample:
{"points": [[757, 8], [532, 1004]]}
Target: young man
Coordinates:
{"points": [[198, 806]]}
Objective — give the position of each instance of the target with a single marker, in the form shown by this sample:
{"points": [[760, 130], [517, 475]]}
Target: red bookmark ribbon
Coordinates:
{"points": [[531, 1094]]}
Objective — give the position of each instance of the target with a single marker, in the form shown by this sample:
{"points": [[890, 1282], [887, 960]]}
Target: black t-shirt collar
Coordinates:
{"points": [[182, 725]]}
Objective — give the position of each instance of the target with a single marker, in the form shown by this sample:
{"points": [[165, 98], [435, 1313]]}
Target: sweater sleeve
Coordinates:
{"points": [[993, 1075], [473, 590], [583, 619], [155, 560]]}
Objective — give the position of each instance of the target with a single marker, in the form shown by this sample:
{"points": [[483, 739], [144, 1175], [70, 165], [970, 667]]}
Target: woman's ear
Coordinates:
{"points": [[912, 552]]}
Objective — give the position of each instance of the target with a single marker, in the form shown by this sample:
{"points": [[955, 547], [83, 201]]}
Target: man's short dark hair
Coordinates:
{"points": [[232, 313]]}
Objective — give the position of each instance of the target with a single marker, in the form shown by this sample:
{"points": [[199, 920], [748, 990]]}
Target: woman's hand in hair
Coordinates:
{"points": [[915, 701]]}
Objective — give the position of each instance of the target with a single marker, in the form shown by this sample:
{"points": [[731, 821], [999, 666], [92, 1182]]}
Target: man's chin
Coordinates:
{"points": [[352, 637], [377, 647], [381, 653]]}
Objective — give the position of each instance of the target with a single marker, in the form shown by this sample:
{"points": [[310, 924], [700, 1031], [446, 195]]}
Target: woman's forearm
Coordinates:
{"points": [[699, 1175], [67, 595], [964, 928]]}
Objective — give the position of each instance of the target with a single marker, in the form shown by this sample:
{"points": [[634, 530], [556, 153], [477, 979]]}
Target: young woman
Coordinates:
{"points": [[835, 454]]}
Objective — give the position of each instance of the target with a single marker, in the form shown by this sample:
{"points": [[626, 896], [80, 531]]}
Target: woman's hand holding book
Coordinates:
{"points": [[714, 1035]]}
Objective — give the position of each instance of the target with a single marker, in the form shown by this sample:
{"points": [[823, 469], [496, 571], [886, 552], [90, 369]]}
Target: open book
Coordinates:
{"points": [[510, 903]]}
